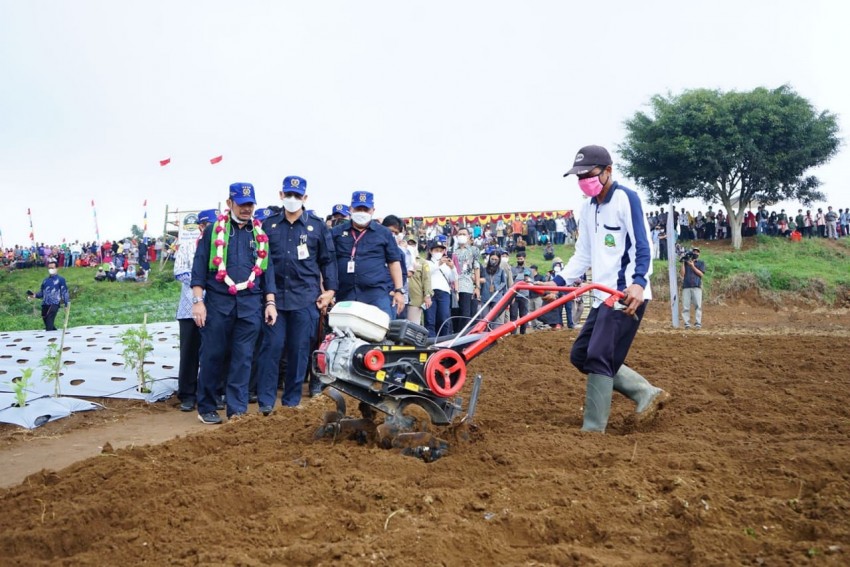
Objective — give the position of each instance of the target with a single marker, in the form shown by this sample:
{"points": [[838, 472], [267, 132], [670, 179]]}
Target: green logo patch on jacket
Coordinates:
{"points": [[609, 240]]}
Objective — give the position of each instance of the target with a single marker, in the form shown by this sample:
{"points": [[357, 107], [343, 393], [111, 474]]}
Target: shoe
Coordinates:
{"points": [[266, 410], [698, 327], [252, 399], [687, 327], [210, 418], [188, 405], [314, 393], [236, 417]]}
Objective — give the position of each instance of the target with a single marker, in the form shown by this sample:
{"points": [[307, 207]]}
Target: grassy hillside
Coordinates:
{"points": [[815, 269]]}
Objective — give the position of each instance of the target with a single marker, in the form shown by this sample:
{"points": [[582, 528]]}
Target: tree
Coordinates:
{"points": [[136, 232], [735, 147]]}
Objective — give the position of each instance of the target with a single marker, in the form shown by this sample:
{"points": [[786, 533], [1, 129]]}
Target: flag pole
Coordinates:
{"points": [[32, 232]]}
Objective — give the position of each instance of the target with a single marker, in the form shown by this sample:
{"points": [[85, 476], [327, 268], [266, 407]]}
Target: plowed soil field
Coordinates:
{"points": [[749, 464]]}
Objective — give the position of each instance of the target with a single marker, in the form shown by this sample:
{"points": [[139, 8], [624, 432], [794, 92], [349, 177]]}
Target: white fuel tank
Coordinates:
{"points": [[365, 321]]}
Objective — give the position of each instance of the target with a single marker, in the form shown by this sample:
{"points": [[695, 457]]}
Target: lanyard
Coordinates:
{"points": [[356, 240]]}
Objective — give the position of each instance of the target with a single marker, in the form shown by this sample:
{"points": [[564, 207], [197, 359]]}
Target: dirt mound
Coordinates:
{"points": [[747, 465]]}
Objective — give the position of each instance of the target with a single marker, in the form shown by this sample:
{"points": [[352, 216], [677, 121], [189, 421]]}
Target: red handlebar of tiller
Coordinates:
{"points": [[489, 338]]}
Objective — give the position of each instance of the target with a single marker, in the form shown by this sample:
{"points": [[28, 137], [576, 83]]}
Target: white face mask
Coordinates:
{"points": [[462, 239], [292, 204], [51, 271], [399, 238], [436, 256], [360, 218]]}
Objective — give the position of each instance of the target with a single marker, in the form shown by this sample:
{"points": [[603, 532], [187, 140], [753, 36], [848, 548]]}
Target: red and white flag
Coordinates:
{"points": [[216, 160], [164, 162]]}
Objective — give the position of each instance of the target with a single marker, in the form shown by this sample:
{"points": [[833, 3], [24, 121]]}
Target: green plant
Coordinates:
{"points": [[137, 345], [19, 387], [51, 366]]}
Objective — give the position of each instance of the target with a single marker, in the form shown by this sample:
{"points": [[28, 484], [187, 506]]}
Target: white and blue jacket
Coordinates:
{"points": [[614, 242]]}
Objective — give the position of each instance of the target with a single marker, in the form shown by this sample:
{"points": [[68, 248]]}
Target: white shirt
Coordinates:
{"points": [[614, 241]]}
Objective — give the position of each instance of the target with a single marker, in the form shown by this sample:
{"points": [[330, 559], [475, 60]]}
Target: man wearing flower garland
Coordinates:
{"points": [[368, 259], [231, 265], [302, 253]]}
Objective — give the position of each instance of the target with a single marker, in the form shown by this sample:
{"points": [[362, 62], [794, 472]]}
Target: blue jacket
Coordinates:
{"points": [[54, 290], [372, 254], [299, 281]]}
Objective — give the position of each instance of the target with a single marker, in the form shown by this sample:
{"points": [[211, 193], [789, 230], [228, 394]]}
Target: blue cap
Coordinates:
{"points": [[241, 193], [263, 214], [362, 199], [294, 184], [340, 209], [436, 243], [208, 215]]}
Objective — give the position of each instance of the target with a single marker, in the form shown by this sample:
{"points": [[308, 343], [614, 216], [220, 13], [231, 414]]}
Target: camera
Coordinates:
{"points": [[688, 256]]}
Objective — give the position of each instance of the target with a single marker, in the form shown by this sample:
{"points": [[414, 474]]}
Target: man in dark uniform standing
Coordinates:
{"points": [[368, 259], [306, 280], [231, 265]]}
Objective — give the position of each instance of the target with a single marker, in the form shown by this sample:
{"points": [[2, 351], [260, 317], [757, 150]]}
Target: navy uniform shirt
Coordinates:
{"points": [[374, 250], [298, 277], [240, 254]]}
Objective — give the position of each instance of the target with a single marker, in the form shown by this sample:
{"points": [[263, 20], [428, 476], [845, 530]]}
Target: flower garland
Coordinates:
{"points": [[219, 241]]}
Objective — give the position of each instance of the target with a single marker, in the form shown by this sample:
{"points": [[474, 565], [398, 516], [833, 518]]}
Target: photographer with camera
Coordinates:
{"points": [[691, 273]]}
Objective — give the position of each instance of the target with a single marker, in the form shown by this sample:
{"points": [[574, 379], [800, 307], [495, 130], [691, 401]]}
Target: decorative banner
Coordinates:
{"points": [[495, 217], [164, 162], [96, 230], [216, 160], [145, 223], [32, 232]]}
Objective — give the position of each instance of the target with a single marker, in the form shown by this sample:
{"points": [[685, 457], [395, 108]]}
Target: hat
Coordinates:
{"points": [[436, 243], [294, 184], [242, 193], [208, 215], [695, 249], [263, 214], [412, 238], [362, 199], [341, 209], [589, 157]]}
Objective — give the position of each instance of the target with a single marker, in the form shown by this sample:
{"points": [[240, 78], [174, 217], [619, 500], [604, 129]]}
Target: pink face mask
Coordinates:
{"points": [[591, 186]]}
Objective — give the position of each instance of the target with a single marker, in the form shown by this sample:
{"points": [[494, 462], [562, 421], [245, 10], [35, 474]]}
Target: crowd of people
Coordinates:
{"points": [[713, 225], [122, 254]]}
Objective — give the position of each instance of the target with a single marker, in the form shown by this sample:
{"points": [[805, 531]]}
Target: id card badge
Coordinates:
{"points": [[350, 269], [303, 253]]}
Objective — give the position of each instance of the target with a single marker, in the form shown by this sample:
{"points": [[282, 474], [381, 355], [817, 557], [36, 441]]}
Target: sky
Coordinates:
{"points": [[436, 107]]}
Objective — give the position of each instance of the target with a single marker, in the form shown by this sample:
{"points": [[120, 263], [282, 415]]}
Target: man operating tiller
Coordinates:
{"points": [[614, 241]]}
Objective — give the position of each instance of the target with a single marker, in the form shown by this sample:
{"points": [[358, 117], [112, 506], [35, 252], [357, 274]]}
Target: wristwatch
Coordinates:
{"points": [[398, 290], [197, 300]]}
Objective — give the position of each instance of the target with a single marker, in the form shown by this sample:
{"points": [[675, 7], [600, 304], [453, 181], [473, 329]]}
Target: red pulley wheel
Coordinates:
{"points": [[445, 373], [373, 360]]}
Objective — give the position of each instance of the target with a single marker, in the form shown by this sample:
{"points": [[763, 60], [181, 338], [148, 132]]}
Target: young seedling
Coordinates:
{"points": [[137, 345], [19, 387], [51, 366]]}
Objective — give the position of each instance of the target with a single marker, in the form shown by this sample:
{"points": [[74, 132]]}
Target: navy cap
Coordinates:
{"points": [[589, 157], [436, 243], [241, 193], [294, 184], [208, 215], [362, 199], [340, 209], [263, 214]]}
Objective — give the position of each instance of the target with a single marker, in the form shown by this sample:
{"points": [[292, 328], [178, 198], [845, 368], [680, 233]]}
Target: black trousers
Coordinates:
{"points": [[604, 341], [190, 358], [48, 313]]}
